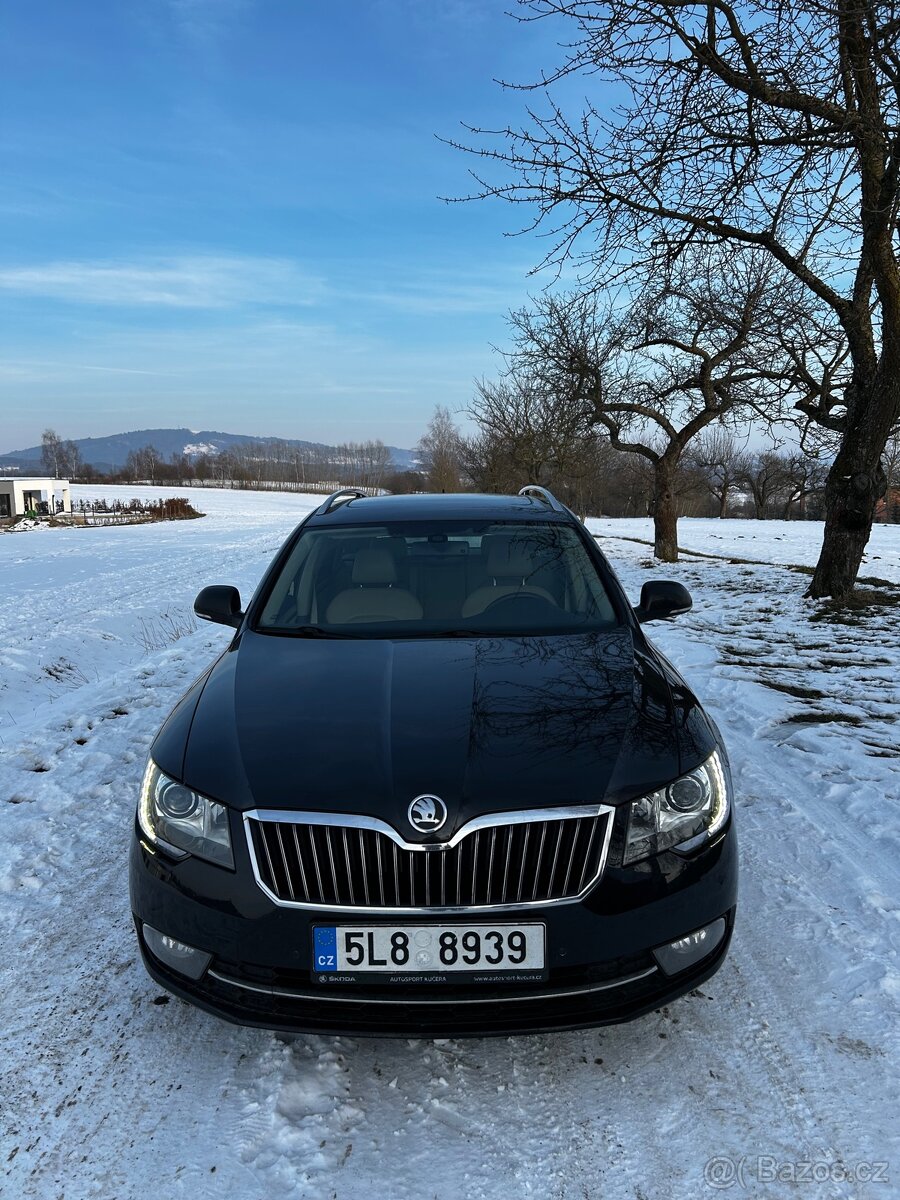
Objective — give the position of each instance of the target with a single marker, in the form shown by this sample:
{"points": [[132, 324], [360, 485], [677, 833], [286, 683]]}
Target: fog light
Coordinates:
{"points": [[184, 959], [683, 953]]}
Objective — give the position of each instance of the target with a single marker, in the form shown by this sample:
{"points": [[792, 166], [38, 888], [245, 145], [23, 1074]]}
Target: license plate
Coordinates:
{"points": [[429, 953]]}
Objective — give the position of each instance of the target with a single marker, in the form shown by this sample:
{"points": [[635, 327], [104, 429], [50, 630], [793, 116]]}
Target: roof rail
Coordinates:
{"points": [[532, 489], [340, 497]]}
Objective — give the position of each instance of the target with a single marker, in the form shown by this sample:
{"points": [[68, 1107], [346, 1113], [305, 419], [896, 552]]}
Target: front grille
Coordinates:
{"points": [[302, 859]]}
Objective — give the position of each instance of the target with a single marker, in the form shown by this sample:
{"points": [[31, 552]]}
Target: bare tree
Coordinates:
{"points": [[627, 486], [890, 507], [770, 123], [180, 467], [374, 461], [439, 452], [699, 346], [143, 463], [72, 462], [361, 463], [533, 432], [765, 476], [778, 482], [403, 483], [804, 477], [529, 435], [51, 452], [486, 463], [301, 460], [720, 461], [60, 459]]}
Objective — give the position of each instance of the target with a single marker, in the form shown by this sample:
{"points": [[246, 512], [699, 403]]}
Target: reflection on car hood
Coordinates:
{"points": [[488, 724]]}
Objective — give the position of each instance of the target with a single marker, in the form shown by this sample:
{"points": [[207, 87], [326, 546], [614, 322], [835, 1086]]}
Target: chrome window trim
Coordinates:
{"points": [[526, 816], [320, 995]]}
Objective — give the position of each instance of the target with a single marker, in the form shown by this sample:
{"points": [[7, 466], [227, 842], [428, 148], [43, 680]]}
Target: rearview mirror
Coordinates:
{"points": [[662, 599], [219, 603]]}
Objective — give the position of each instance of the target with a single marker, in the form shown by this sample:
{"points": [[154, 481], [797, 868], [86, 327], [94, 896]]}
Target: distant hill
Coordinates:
{"points": [[109, 453]]}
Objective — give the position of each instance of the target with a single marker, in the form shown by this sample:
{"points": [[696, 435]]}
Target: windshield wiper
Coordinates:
{"points": [[311, 631], [464, 633]]}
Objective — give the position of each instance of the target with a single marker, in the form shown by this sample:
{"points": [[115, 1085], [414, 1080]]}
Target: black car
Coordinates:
{"points": [[439, 783]]}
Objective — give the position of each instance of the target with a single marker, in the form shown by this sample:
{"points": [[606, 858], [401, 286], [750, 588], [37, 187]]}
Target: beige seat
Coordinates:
{"points": [[509, 562], [374, 596]]}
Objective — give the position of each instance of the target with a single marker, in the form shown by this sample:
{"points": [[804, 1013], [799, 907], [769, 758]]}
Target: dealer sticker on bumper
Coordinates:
{"points": [[429, 953]]}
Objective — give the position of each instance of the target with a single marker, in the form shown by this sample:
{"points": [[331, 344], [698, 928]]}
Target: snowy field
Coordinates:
{"points": [[784, 542], [786, 1061]]}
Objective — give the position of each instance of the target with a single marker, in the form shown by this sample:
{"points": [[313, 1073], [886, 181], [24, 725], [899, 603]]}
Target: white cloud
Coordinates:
{"points": [[436, 298], [236, 281], [45, 370], [176, 282], [491, 287]]}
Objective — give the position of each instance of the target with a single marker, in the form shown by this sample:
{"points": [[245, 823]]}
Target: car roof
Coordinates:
{"points": [[434, 506]]}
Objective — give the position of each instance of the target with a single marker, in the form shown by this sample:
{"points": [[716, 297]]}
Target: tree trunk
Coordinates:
{"points": [[855, 484], [664, 510], [723, 503]]}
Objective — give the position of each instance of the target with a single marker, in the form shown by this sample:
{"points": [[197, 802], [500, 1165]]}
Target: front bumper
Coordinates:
{"points": [[599, 951]]}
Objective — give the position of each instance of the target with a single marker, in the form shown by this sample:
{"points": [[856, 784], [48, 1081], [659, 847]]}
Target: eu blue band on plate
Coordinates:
{"points": [[325, 948]]}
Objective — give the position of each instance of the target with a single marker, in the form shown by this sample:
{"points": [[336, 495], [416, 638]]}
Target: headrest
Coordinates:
{"points": [[509, 557], [373, 565]]}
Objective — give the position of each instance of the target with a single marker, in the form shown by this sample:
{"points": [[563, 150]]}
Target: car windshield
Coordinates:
{"points": [[437, 579]]}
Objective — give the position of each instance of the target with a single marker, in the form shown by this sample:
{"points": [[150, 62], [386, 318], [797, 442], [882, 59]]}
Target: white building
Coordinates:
{"points": [[46, 497]]}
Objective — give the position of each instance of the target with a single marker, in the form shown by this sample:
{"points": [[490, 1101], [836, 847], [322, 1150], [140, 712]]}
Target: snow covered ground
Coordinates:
{"points": [[785, 542], [109, 1089]]}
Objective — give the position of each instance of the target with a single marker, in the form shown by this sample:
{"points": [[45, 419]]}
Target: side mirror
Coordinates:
{"points": [[661, 599], [219, 603]]}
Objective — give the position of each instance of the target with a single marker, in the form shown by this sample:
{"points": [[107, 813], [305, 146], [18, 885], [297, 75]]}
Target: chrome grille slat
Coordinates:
{"points": [[364, 865], [487, 890], [265, 842], [559, 837], [380, 870], [540, 856], [522, 868], [315, 852], [303, 882], [349, 869], [587, 856], [565, 885], [287, 872], [509, 841], [536, 857], [330, 848]]}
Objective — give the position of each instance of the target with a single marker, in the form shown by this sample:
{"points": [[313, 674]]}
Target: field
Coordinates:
{"points": [[789, 1056]]}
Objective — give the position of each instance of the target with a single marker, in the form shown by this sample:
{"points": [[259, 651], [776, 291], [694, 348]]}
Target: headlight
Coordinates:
{"points": [[171, 815], [694, 806]]}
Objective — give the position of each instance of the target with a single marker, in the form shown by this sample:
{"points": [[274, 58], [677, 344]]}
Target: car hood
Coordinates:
{"points": [[487, 724]]}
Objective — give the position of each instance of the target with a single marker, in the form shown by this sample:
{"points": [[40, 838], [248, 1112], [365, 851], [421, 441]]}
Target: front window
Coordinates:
{"points": [[447, 578]]}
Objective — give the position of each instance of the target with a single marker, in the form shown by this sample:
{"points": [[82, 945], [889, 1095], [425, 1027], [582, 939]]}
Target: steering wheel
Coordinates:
{"points": [[519, 598]]}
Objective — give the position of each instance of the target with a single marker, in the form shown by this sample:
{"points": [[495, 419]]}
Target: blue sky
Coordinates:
{"points": [[224, 213]]}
